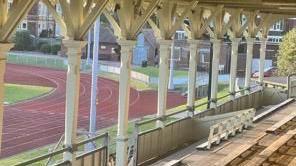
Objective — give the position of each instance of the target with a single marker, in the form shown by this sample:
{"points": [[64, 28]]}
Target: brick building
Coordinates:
{"points": [[38, 19]]}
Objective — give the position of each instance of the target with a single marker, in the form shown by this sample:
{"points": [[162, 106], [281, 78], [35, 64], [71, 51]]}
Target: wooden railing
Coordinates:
{"points": [[179, 132], [292, 86]]}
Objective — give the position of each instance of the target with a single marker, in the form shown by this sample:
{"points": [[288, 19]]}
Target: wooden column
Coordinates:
{"points": [[215, 71], [127, 47], [163, 78], [233, 66], [250, 46], [262, 60], [4, 48], [194, 52], [72, 93]]}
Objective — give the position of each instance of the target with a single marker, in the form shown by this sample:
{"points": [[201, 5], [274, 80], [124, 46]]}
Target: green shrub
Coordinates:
{"points": [[45, 48], [55, 49], [24, 41], [50, 49], [40, 43]]}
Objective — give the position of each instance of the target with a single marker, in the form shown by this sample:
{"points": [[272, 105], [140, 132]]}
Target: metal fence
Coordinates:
{"points": [[48, 61], [116, 70]]}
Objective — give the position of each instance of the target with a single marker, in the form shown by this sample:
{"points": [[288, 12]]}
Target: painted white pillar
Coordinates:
{"points": [[233, 66], [4, 48], [94, 81], [127, 47], [194, 52], [262, 60], [172, 64], [88, 46], [164, 52], [250, 46], [72, 93], [217, 43]]}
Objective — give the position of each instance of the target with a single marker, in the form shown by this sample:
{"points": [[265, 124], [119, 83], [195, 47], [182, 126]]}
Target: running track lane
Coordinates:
{"points": [[39, 122]]}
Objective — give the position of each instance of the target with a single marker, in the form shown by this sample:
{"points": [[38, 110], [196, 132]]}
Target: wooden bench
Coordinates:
{"points": [[229, 126], [279, 124]]}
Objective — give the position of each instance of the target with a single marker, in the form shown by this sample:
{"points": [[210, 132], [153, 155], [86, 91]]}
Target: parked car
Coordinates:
{"points": [[268, 72]]}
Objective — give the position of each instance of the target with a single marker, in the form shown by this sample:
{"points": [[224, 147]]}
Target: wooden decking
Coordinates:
{"points": [[272, 141], [256, 146]]}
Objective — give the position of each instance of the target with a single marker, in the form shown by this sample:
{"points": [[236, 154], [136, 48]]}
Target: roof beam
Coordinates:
{"points": [[77, 16], [11, 18]]}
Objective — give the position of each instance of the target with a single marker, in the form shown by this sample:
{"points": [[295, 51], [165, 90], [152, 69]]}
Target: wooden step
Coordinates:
{"points": [[239, 151], [272, 110], [266, 153], [293, 162], [279, 124], [233, 155]]}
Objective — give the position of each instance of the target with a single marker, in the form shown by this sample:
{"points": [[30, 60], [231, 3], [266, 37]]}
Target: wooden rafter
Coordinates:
{"points": [[236, 26], [78, 15], [180, 19], [56, 16], [267, 21], [219, 22], [196, 23], [251, 21], [155, 29], [131, 16], [170, 19], [113, 23], [10, 18], [143, 18]]}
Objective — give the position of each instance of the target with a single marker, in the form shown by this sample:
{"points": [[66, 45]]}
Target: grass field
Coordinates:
{"points": [[16, 93], [153, 71]]}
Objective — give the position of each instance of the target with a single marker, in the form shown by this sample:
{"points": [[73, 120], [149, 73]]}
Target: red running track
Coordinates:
{"points": [[39, 122]]}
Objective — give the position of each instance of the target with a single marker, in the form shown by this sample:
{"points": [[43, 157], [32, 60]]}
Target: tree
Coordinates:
{"points": [[287, 54]]}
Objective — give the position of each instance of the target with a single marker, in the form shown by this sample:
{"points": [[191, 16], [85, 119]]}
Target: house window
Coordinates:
{"points": [[278, 26], [113, 50], [203, 58], [275, 39], [24, 26], [180, 35], [103, 47]]}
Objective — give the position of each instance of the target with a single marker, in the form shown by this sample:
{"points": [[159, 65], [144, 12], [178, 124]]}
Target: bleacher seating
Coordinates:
{"points": [[227, 127]]}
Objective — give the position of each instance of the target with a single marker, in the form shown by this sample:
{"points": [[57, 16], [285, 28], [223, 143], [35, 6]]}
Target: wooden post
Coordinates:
{"points": [[262, 60], [163, 77], [194, 52], [4, 48], [127, 47], [72, 93], [215, 71], [233, 66], [250, 46]]}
